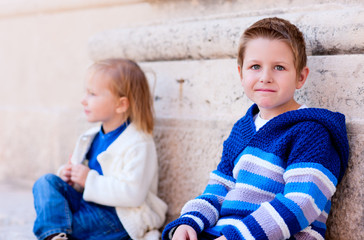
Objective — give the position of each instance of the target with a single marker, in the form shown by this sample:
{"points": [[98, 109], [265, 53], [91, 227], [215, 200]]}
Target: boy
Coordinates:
{"points": [[282, 161]]}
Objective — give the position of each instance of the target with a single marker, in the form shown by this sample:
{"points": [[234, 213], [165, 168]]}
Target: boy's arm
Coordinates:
{"points": [[203, 211], [310, 181]]}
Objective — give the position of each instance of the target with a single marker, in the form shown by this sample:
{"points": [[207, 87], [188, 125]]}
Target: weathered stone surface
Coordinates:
{"points": [[188, 150], [334, 31], [211, 89], [336, 83], [346, 220]]}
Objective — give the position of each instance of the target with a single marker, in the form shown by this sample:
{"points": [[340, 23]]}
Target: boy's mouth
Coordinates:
{"points": [[264, 90]]}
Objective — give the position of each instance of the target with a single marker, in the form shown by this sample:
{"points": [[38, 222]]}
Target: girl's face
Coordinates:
{"points": [[100, 104], [269, 76]]}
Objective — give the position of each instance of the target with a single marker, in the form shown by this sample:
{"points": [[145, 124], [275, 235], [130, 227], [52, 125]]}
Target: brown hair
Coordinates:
{"points": [[276, 29], [128, 80]]}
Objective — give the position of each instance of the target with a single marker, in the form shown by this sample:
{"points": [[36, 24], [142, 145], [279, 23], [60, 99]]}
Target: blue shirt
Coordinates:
{"points": [[100, 143]]}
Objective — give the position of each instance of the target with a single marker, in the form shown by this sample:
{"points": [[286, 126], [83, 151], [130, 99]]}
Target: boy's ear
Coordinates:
{"points": [[240, 72], [123, 105], [302, 77]]}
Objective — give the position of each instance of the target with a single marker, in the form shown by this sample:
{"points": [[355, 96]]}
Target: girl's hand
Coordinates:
{"points": [[79, 174], [185, 232], [65, 173]]}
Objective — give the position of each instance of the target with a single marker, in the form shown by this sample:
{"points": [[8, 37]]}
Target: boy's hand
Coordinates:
{"points": [[221, 238], [185, 232], [65, 173], [79, 174]]}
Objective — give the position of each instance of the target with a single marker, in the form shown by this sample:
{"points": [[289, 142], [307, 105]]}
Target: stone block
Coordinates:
{"points": [[335, 30]]}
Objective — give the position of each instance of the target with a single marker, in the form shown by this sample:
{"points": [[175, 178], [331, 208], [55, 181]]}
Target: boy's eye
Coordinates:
{"points": [[255, 67], [279, 68]]}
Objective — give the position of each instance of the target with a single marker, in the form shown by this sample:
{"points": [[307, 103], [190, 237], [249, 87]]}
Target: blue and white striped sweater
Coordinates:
{"points": [[275, 183]]}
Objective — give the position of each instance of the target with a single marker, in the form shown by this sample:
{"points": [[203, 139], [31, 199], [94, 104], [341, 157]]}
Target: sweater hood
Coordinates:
{"points": [[334, 123]]}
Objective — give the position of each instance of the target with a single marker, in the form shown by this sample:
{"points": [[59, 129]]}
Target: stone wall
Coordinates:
{"points": [[192, 66], [188, 50]]}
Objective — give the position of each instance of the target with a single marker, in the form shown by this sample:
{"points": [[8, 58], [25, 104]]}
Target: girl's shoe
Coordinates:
{"points": [[61, 236]]}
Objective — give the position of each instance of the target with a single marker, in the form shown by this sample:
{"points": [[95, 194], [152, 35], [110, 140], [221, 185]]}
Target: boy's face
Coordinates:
{"points": [[100, 104], [269, 76]]}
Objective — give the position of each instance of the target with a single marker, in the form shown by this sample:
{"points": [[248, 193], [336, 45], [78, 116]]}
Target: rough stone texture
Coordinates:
{"points": [[337, 83], [211, 90], [326, 33], [188, 150], [346, 220]]}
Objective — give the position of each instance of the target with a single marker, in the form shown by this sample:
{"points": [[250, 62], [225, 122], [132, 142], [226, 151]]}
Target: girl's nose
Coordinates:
{"points": [[83, 101]]}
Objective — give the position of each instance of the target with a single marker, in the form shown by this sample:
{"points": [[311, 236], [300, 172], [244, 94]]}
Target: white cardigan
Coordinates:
{"points": [[129, 183]]}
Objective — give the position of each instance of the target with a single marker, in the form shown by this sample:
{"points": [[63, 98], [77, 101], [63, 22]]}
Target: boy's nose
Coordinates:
{"points": [[266, 76]]}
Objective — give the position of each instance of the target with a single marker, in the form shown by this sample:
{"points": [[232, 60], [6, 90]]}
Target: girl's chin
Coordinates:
{"points": [[90, 119]]}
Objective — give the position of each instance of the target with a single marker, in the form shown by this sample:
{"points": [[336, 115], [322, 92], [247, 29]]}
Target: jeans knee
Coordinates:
{"points": [[45, 180]]}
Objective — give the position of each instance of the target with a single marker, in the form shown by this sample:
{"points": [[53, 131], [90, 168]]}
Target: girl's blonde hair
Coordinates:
{"points": [[276, 29], [128, 80]]}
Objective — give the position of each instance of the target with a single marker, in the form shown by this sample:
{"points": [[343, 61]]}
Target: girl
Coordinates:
{"points": [[108, 190]]}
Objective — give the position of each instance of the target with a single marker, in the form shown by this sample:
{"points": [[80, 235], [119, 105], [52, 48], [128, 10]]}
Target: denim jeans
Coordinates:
{"points": [[60, 208], [206, 236]]}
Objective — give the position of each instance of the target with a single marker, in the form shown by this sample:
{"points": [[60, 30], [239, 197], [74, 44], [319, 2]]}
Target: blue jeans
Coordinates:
{"points": [[60, 208], [206, 236]]}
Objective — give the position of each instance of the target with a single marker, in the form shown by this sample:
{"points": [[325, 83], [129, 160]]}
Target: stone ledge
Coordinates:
{"points": [[327, 32]]}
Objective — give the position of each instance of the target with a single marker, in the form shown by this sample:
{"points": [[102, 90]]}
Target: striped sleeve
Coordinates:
{"points": [[301, 210], [306, 201], [203, 211]]}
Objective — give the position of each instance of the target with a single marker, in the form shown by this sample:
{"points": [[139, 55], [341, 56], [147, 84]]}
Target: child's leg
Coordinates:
{"points": [[93, 222], [206, 236], [54, 202]]}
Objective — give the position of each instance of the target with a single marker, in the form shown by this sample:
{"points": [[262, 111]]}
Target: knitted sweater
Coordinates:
{"points": [[274, 183]]}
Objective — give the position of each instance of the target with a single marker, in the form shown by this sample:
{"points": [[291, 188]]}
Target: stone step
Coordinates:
{"points": [[326, 31]]}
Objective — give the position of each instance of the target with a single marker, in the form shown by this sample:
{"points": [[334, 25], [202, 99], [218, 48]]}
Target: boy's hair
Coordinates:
{"points": [[276, 29], [128, 80]]}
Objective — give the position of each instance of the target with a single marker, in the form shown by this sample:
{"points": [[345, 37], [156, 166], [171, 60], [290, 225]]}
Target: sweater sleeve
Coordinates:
{"points": [[310, 180], [203, 211]]}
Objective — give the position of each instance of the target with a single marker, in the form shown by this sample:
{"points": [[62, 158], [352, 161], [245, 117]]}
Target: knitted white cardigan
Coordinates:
{"points": [[129, 183]]}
